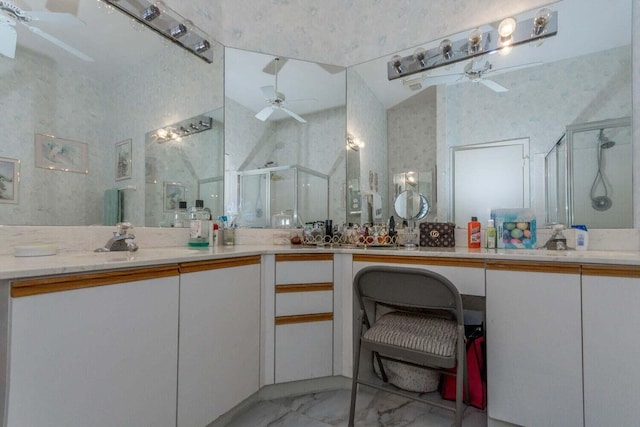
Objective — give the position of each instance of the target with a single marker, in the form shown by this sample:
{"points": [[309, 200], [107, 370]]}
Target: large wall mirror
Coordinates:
{"points": [[284, 147], [76, 112], [536, 92]]}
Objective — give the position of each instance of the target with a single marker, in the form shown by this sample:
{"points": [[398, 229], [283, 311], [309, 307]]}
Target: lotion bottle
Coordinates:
{"points": [[473, 233], [491, 235]]}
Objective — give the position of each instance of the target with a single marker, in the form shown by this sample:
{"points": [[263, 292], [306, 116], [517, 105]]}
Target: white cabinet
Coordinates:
{"points": [[219, 337], [83, 354], [534, 348], [610, 297], [303, 316]]}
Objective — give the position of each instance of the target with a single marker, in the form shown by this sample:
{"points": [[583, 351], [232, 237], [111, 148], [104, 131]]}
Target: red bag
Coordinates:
{"points": [[476, 373]]}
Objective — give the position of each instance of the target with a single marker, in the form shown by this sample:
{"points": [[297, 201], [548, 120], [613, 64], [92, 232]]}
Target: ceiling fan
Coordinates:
{"points": [[276, 100], [10, 14], [475, 72]]}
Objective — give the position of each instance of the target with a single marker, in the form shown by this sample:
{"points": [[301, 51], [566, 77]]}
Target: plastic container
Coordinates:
{"points": [[199, 226], [582, 237], [474, 236], [181, 217], [491, 235]]}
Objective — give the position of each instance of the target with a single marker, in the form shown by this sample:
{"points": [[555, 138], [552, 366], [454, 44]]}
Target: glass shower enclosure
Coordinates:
{"points": [[295, 190], [588, 175]]}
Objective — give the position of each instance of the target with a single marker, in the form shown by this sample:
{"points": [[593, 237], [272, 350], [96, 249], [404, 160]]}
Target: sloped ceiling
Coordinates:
{"points": [[340, 32]]}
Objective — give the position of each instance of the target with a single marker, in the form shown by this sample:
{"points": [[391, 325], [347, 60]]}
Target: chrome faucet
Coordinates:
{"points": [[122, 240]]}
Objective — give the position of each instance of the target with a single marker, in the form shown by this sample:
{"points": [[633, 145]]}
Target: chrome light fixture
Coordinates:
{"points": [[502, 36], [176, 131], [168, 23]]}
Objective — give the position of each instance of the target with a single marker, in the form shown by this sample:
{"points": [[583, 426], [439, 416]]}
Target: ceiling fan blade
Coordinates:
{"points": [[331, 69], [496, 87], [269, 92], [270, 68], [294, 115], [62, 18], [8, 40], [59, 43], [265, 113], [67, 6]]}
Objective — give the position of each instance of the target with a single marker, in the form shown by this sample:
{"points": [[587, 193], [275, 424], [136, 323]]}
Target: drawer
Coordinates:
{"points": [[293, 303], [290, 272]]}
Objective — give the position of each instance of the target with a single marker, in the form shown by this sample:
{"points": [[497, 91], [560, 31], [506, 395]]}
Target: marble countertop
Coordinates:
{"points": [[76, 262]]}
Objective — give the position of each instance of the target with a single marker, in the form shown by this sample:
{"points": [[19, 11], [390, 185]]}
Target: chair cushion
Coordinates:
{"points": [[428, 334]]}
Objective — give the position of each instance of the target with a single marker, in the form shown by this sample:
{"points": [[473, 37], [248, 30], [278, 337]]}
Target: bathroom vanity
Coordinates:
{"points": [[174, 336]]}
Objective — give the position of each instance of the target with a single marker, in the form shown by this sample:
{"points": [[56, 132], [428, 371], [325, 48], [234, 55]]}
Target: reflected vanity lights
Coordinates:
{"points": [[168, 23], [176, 131], [501, 37], [353, 143]]}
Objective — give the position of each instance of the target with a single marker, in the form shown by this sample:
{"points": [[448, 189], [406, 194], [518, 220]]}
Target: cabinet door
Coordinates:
{"points": [[304, 350], [219, 338], [610, 322], [534, 354], [303, 317], [98, 356]]}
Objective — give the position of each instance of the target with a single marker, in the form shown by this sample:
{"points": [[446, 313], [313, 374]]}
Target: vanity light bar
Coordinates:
{"points": [[459, 49], [169, 24], [181, 129]]}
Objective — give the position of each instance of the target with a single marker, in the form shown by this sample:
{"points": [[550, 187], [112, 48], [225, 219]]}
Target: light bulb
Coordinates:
{"points": [[507, 27], [475, 41], [396, 63], [446, 47], [419, 55], [541, 20]]}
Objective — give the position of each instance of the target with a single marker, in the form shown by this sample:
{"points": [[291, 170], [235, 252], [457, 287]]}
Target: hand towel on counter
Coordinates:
{"points": [[111, 207]]}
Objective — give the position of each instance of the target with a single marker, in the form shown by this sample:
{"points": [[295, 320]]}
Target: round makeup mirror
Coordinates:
{"points": [[410, 206]]}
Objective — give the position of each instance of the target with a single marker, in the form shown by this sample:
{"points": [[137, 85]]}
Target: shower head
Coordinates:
{"points": [[605, 142]]}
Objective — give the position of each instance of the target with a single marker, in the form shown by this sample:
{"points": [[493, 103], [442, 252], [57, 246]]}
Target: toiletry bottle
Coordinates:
{"points": [[582, 237], [199, 226], [221, 227], [491, 235], [180, 216], [213, 240], [473, 233]]}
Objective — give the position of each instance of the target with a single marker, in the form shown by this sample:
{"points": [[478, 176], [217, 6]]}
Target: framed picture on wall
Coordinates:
{"points": [[9, 178], [174, 192], [61, 154], [124, 162]]}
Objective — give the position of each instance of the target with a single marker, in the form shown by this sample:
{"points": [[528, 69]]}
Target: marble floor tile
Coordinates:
{"points": [[331, 409]]}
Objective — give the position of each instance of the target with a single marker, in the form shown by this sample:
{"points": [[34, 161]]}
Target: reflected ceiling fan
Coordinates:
{"points": [[276, 100], [10, 14], [474, 71]]}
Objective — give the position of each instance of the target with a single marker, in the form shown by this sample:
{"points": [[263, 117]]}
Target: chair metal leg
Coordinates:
{"points": [[460, 375], [356, 370]]}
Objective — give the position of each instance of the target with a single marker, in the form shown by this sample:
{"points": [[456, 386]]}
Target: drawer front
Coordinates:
{"points": [[291, 272], [293, 303]]}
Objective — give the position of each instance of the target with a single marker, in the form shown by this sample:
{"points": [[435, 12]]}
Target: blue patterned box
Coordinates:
{"points": [[516, 228]]}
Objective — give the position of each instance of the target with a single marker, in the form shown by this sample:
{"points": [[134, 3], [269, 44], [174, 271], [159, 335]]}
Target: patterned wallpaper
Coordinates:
{"points": [[367, 122]]}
